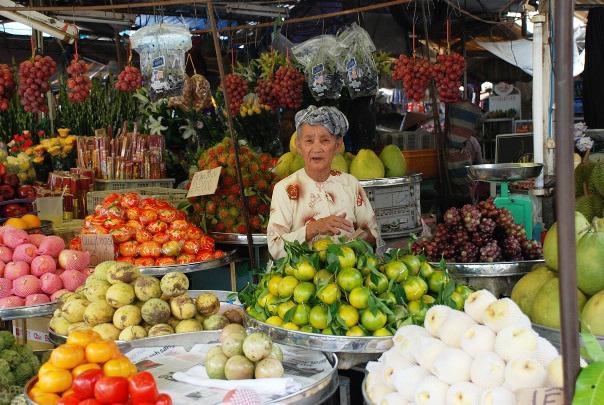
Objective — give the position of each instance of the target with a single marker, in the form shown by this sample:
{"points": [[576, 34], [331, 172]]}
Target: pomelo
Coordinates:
{"points": [[592, 316], [526, 289], [546, 306], [550, 244]]}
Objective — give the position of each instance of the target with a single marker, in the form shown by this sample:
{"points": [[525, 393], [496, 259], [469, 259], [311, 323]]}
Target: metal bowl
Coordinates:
{"points": [[312, 391], [324, 343], [554, 337], [504, 171], [190, 267], [225, 238], [32, 311], [498, 277]]}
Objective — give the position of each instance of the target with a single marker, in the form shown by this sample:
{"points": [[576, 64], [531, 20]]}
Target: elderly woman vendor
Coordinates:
{"points": [[316, 201]]}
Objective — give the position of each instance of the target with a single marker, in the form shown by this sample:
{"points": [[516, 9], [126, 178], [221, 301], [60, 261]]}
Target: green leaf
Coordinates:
{"points": [[289, 315], [381, 305], [315, 261], [373, 304], [592, 347], [589, 389], [334, 267]]}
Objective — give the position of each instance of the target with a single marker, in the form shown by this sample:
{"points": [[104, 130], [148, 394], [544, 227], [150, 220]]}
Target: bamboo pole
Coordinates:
{"points": [[565, 198], [246, 212]]}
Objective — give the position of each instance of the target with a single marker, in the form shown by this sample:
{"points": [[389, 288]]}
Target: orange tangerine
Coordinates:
{"points": [[32, 221], [17, 223]]}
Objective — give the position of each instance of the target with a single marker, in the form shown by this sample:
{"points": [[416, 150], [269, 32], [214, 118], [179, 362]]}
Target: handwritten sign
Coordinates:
{"points": [[204, 182], [101, 248], [540, 396]]}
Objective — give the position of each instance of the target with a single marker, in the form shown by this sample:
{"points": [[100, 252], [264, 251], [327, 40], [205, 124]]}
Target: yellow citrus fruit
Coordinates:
{"points": [[382, 332], [349, 315], [275, 321], [355, 331], [32, 221], [359, 297], [290, 326], [17, 223], [284, 307], [273, 285]]}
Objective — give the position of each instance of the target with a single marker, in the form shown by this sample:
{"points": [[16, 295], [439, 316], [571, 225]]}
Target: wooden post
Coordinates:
{"points": [[246, 212]]}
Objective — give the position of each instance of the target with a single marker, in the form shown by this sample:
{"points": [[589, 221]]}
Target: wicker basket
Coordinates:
{"points": [[172, 195], [100, 185]]}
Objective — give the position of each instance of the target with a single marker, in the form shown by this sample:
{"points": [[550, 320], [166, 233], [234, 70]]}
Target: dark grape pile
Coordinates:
{"points": [[447, 73], [129, 80], [7, 86], [415, 73], [78, 84], [236, 88], [33, 82], [287, 87], [479, 233]]}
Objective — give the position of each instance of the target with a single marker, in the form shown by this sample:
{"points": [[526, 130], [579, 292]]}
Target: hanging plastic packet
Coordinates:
{"points": [[162, 49], [356, 62], [319, 58]]}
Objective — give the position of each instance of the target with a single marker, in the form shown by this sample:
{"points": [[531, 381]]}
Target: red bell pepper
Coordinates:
{"points": [[83, 384], [69, 400], [143, 388], [163, 399], [89, 401], [110, 390]]}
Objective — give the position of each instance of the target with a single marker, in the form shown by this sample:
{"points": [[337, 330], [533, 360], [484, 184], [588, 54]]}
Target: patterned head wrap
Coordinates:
{"points": [[330, 117]]}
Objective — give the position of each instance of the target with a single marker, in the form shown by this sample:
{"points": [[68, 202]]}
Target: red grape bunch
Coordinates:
{"points": [[33, 82], [78, 84], [264, 91], [415, 73], [7, 86], [447, 74], [236, 88], [129, 80], [287, 87]]}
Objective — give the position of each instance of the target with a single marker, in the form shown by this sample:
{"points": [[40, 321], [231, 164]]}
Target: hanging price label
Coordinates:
{"points": [[204, 182], [101, 248]]}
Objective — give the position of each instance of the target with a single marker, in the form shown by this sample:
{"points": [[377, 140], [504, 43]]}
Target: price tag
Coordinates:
{"points": [[204, 182], [101, 248], [540, 396]]}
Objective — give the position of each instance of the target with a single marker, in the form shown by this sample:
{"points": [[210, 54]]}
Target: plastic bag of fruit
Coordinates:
{"points": [[356, 62], [319, 56], [162, 51]]}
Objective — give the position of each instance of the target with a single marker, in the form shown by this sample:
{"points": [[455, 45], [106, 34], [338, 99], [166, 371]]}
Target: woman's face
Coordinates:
{"points": [[317, 146]]}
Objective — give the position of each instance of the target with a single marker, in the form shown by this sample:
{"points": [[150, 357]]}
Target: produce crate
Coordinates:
{"points": [[424, 161], [172, 195], [100, 185]]}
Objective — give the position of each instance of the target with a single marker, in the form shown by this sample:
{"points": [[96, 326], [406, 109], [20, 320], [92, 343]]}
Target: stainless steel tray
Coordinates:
{"points": [[225, 303], [498, 172], [553, 335], [495, 269], [190, 267], [32, 311], [225, 238], [324, 343], [314, 393], [391, 181]]}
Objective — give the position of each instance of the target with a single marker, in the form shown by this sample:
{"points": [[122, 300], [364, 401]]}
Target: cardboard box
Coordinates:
{"points": [[37, 332]]}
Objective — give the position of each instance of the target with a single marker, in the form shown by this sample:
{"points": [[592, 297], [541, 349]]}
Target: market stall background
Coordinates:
{"points": [[190, 126]]}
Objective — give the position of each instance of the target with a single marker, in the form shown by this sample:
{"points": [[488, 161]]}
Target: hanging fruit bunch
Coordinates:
{"points": [[447, 74], [129, 80], [287, 87], [34, 74], [236, 87], [78, 84], [415, 73], [265, 93], [7, 86]]}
